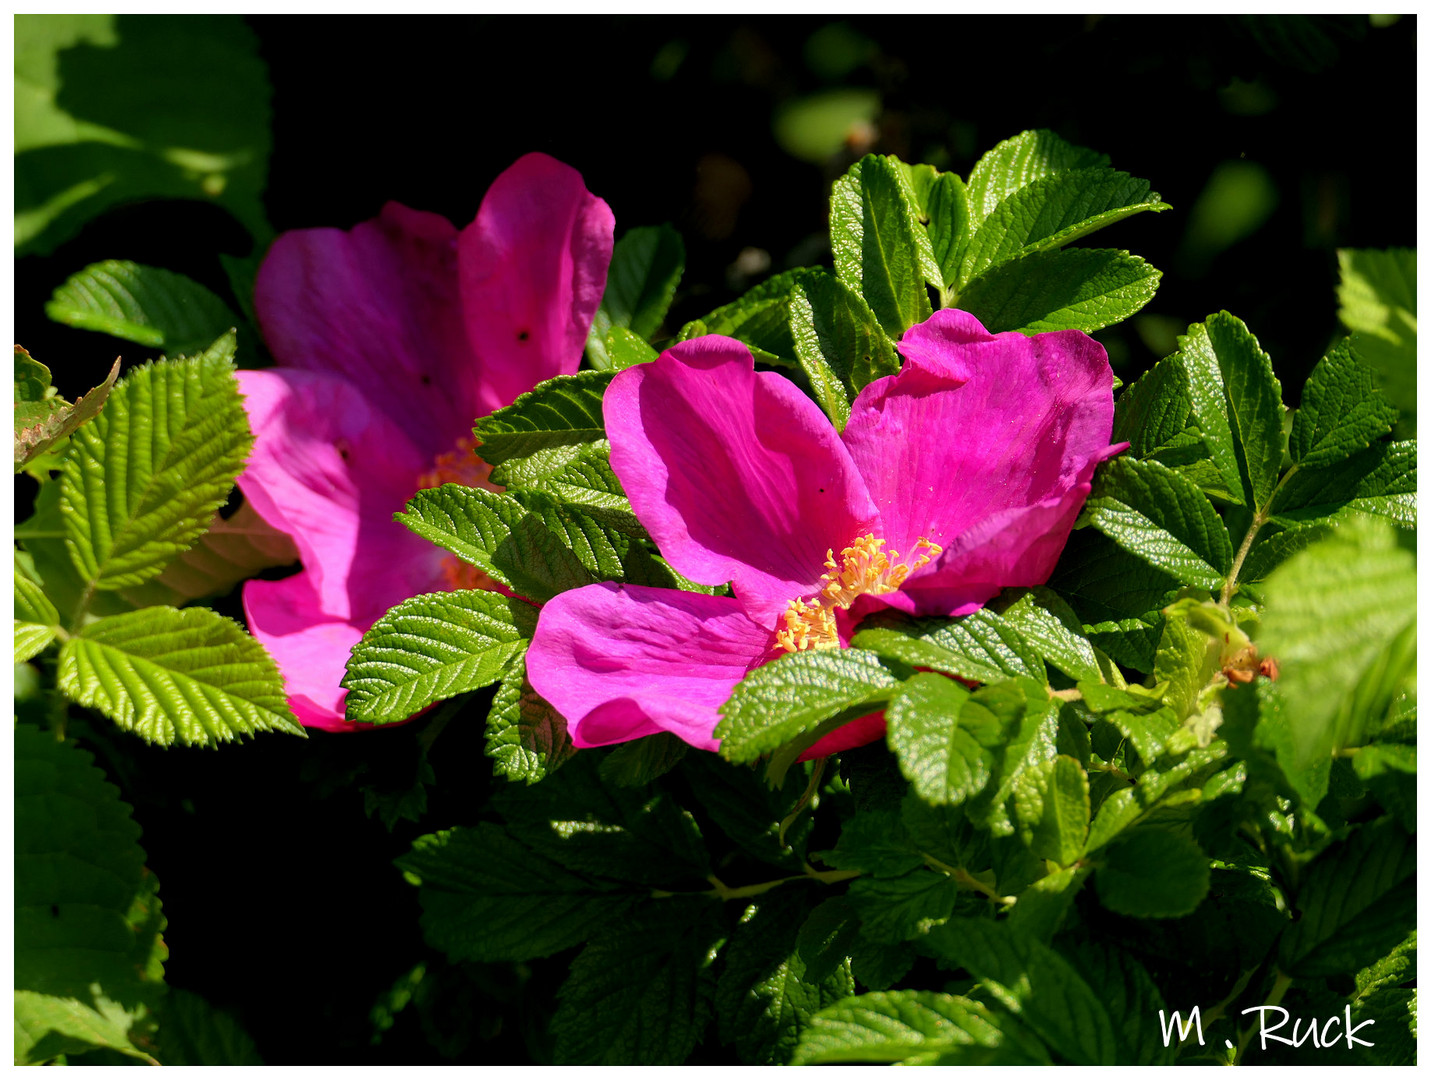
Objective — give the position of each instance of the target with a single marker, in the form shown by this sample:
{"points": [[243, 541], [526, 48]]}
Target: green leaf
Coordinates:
{"points": [[1049, 626], [766, 996], [1377, 298], [88, 951], [1127, 805], [899, 909], [946, 756], [617, 348], [875, 842], [1340, 619], [487, 896], [797, 693], [42, 421], [191, 676], [143, 304], [433, 647], [37, 623], [526, 738], [111, 109], [1143, 720], [839, 343], [914, 1026], [1152, 874], [561, 413], [1053, 211], [1051, 804], [881, 252], [1036, 984], [588, 482], [1357, 901], [980, 647], [144, 478], [638, 762], [1015, 163], [760, 318], [1272, 549], [826, 937], [637, 994], [1379, 481], [193, 1032], [947, 208], [1341, 412], [748, 810], [1077, 289], [1151, 511], [646, 266], [1237, 402]]}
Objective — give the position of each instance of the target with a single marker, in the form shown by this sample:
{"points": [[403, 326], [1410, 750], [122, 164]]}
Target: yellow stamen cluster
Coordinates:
{"points": [[864, 569]]}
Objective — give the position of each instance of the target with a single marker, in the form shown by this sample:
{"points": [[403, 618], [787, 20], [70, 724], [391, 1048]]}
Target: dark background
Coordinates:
{"points": [[282, 902]]}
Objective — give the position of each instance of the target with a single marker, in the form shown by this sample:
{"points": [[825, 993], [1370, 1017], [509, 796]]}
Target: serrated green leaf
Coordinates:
{"points": [[108, 111], [1051, 628], [88, 951], [193, 1032], [1377, 297], [42, 422], [1143, 720], [1053, 211], [1272, 549], [143, 479], [143, 304], [1237, 401], [748, 810], [1154, 416], [946, 206], [1152, 874], [36, 620], [638, 994], [945, 756], [1188, 659], [1151, 511], [486, 896], [795, 694], [766, 997], [646, 266], [897, 1026], [1015, 163], [1341, 411], [1036, 984], [587, 481], [838, 342], [1103, 583], [899, 909], [1379, 481], [526, 738], [981, 647], [560, 413], [1128, 805], [1340, 619], [617, 348], [1358, 899], [1077, 289], [1051, 805], [826, 936], [760, 318], [165, 674], [881, 252], [433, 647], [875, 842]]}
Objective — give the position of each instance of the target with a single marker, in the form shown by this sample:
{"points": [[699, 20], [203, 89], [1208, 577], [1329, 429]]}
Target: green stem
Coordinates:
{"points": [[722, 891], [1259, 518], [1279, 990], [815, 774]]}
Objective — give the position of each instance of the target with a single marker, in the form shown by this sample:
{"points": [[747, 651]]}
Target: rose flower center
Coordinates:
{"points": [[460, 466], [865, 568]]}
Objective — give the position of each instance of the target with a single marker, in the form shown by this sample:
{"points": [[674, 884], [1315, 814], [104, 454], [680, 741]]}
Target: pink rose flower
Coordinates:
{"points": [[953, 479], [393, 337]]}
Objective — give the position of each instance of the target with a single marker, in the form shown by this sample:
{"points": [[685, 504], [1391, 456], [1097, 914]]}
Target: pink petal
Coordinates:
{"points": [[533, 268], [859, 732], [310, 648], [984, 439], [623, 661], [379, 305], [736, 474], [330, 470]]}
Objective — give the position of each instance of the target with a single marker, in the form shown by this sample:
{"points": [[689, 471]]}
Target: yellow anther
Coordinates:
{"points": [[864, 569]]}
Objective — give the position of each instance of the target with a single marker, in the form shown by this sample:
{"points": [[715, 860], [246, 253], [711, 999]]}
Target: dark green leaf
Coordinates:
{"points": [[760, 318], [143, 304], [1152, 874], [826, 937], [526, 738], [1356, 902], [1077, 289], [1272, 549], [947, 207], [165, 674], [110, 109], [1051, 805], [1151, 511], [1380, 481], [795, 694], [646, 266], [144, 478], [839, 343], [881, 251], [899, 909], [1341, 411], [640, 761], [946, 757], [747, 809], [433, 647], [874, 842], [193, 1032]]}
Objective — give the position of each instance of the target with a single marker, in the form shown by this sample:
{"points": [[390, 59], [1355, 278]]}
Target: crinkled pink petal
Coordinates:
{"points": [[310, 647], [379, 305], [330, 469], [623, 661], [736, 474], [979, 426], [533, 269], [859, 732]]}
